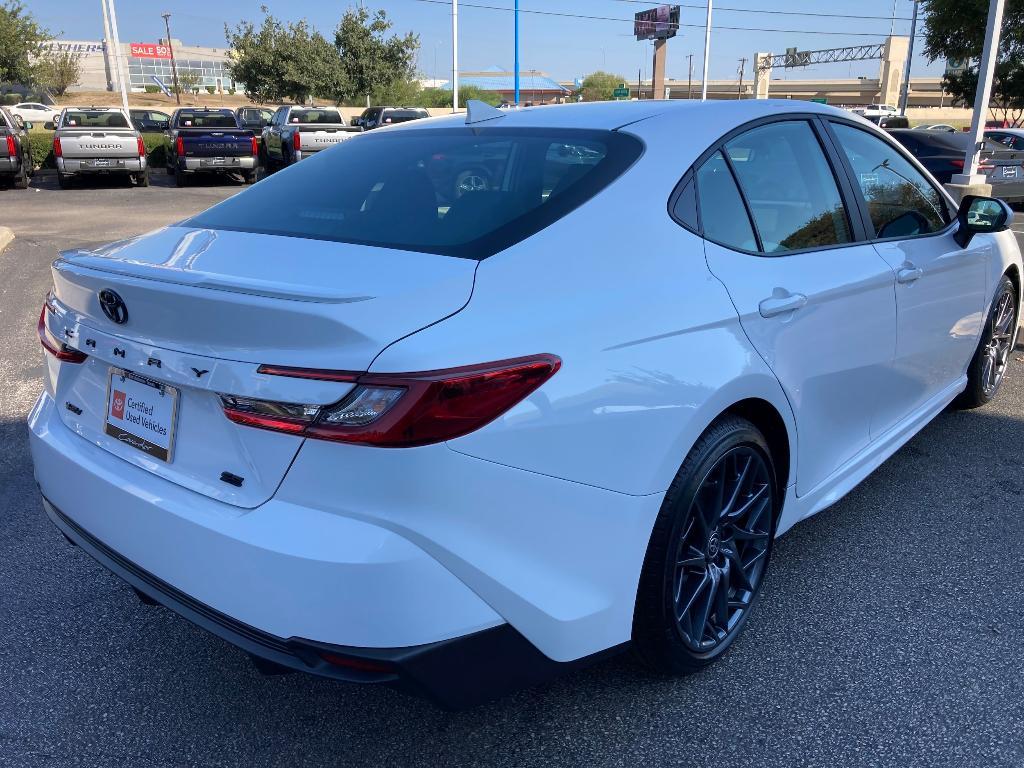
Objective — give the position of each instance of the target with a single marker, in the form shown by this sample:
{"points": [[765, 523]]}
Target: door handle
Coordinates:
{"points": [[908, 273], [777, 305]]}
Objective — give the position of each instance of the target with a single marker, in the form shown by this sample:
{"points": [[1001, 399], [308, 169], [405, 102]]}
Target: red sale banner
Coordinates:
{"points": [[149, 51]]}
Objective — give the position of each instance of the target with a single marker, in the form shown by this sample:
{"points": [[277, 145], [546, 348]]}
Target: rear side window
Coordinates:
{"points": [[792, 193], [315, 116], [466, 192], [723, 216], [206, 120], [90, 119], [901, 201]]}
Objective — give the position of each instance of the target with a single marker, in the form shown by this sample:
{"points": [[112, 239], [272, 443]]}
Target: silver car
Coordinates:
{"points": [[98, 140]]}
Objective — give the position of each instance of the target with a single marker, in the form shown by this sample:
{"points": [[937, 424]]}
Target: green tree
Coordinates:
{"points": [[955, 31], [20, 37], [254, 58], [57, 70], [188, 82], [598, 86], [374, 64]]}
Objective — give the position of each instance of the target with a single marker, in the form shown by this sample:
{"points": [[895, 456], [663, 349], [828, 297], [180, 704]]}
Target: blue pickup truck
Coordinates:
{"points": [[210, 141]]}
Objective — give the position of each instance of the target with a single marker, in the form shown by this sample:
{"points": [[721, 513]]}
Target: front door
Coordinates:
{"points": [[817, 306], [940, 287]]}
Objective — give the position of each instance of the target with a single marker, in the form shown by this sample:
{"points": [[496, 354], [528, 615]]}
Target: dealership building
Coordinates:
{"points": [[146, 63]]}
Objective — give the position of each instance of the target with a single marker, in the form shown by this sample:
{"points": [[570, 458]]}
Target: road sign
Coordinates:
{"points": [[820, 101], [621, 93]]}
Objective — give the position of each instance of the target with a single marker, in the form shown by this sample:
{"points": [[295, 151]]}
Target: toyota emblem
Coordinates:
{"points": [[113, 306]]}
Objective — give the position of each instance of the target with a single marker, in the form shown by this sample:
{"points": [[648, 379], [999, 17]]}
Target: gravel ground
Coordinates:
{"points": [[890, 633]]}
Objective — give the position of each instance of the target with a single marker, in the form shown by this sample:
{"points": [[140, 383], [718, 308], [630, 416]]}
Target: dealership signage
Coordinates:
{"points": [[72, 46], [658, 23], [150, 51]]}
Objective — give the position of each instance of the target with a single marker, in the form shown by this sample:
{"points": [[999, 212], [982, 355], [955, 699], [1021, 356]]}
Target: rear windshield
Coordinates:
{"points": [[455, 191], [206, 120], [315, 117], [90, 119]]}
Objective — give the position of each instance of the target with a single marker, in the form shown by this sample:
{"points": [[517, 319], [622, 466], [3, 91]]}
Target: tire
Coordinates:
{"points": [[179, 178], [683, 620], [21, 180], [988, 366], [63, 181], [249, 177], [142, 179]]}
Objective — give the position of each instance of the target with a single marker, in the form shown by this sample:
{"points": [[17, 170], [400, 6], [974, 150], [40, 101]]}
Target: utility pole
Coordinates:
{"points": [[117, 56], [517, 53], [905, 94], [707, 53], [986, 69], [107, 46], [739, 89], [174, 65], [689, 86], [455, 55]]}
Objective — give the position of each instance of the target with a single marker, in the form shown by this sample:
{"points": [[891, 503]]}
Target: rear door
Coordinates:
{"points": [[941, 287], [816, 304]]}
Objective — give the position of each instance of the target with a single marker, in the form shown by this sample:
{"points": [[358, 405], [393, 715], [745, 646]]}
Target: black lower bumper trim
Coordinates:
{"points": [[457, 673]]}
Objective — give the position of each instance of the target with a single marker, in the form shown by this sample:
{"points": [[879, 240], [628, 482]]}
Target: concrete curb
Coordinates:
{"points": [[6, 236]]}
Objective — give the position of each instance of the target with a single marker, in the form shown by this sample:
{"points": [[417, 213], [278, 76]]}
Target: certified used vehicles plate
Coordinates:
{"points": [[141, 413]]}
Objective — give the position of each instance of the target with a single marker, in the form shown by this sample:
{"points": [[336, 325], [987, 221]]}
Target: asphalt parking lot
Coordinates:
{"points": [[891, 630]]}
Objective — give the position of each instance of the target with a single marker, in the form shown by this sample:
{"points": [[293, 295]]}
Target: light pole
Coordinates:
{"points": [[117, 56], [905, 93], [455, 55], [707, 53], [517, 53], [174, 65]]}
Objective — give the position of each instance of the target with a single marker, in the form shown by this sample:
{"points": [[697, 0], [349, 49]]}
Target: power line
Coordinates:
{"points": [[719, 27], [779, 13]]}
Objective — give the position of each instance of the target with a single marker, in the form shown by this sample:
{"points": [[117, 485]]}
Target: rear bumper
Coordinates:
{"points": [[231, 164], [454, 673], [10, 164], [116, 165]]}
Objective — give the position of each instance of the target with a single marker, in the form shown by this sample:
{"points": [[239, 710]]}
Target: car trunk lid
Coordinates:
{"points": [[202, 310]]}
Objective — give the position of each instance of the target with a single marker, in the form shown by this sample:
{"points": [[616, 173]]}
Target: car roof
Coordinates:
{"points": [[610, 115], [1012, 131]]}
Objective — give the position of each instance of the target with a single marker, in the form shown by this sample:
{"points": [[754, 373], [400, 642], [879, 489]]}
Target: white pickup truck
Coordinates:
{"points": [[98, 140], [298, 132]]}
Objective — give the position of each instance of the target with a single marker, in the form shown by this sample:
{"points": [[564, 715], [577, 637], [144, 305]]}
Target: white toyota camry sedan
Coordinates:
{"points": [[463, 403]]}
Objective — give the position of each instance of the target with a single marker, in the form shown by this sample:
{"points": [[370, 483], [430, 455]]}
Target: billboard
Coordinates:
{"points": [[658, 23], [149, 51]]}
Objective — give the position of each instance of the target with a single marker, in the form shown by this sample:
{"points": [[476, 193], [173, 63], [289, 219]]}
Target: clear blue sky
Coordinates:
{"points": [[564, 47]]}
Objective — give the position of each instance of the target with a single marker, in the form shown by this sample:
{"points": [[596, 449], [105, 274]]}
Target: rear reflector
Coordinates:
{"points": [[400, 410], [363, 665], [55, 346]]}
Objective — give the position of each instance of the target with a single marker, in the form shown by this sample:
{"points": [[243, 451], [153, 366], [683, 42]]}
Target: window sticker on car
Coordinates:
{"points": [[867, 179]]}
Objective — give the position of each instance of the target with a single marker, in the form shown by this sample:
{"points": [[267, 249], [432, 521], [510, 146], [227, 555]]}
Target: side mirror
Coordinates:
{"points": [[980, 215], [49, 126], [27, 126]]}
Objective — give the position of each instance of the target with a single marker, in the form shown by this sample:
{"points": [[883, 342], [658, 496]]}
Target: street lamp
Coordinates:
{"points": [[174, 66]]}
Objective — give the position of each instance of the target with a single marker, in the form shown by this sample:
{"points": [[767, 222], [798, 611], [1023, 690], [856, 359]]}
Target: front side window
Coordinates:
{"points": [[792, 193], [901, 201], [466, 192], [723, 216]]}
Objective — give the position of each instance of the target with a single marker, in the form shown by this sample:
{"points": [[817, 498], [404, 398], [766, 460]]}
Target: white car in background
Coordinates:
{"points": [[35, 113], [459, 441]]}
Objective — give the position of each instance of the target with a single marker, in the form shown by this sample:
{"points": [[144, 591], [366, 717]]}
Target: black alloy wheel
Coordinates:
{"points": [[722, 554], [988, 368], [709, 551]]}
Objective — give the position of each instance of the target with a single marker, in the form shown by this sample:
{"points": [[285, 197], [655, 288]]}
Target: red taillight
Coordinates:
{"points": [[362, 665], [296, 140], [255, 147], [55, 346], [11, 151], [959, 165], [56, 148], [179, 147], [142, 147], [401, 410]]}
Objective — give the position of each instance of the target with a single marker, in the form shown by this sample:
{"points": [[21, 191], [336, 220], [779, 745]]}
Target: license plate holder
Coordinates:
{"points": [[142, 413]]}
